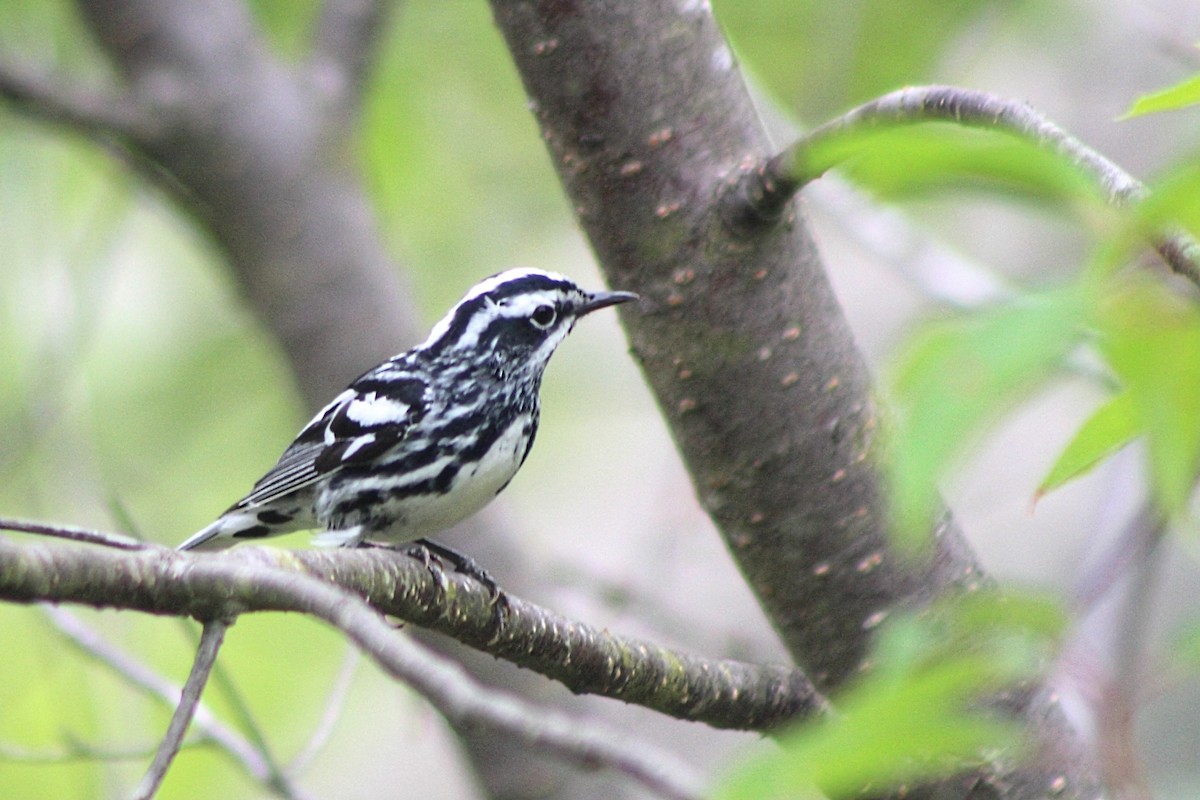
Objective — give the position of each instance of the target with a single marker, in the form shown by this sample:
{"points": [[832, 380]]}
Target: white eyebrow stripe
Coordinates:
{"points": [[498, 280], [525, 304], [484, 287]]}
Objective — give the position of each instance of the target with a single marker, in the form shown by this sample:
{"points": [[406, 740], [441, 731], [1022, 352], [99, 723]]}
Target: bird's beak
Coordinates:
{"points": [[603, 300]]}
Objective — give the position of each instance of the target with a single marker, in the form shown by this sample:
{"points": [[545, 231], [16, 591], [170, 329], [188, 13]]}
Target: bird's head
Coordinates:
{"points": [[516, 318]]}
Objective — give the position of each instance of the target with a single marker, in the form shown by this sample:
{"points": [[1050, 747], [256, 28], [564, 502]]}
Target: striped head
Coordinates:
{"points": [[515, 320]]}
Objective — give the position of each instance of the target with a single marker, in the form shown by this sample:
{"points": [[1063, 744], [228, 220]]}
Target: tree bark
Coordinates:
{"points": [[246, 143], [648, 124]]}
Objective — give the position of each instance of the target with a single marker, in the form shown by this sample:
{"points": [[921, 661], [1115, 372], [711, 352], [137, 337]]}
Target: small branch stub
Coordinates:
{"points": [[758, 198]]}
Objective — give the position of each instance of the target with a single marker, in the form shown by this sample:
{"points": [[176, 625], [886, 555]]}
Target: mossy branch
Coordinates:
{"points": [[721, 693]]}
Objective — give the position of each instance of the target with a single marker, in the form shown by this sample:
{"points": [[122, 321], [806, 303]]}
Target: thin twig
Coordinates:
{"points": [[345, 42], [206, 656], [1116, 711], [142, 677], [276, 779], [117, 540], [1133, 547], [970, 108], [329, 717], [95, 113], [448, 687], [763, 193]]}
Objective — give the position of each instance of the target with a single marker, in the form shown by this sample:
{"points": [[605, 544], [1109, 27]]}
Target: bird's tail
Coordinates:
{"points": [[226, 531]]}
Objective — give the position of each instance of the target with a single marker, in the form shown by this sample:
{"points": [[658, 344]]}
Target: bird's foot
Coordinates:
{"points": [[431, 554], [465, 565]]}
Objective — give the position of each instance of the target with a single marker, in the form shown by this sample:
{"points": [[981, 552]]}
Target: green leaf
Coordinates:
{"points": [[955, 378], [1181, 95], [915, 716], [1111, 427], [1152, 340], [1174, 202], [901, 160], [889, 732]]}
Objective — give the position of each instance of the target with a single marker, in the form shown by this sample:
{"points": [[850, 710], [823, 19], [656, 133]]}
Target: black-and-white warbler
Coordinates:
{"points": [[426, 438]]}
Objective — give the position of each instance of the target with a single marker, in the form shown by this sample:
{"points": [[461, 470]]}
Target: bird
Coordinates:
{"points": [[427, 438]]}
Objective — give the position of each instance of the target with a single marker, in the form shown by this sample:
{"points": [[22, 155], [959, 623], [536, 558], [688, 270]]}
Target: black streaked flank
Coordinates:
{"points": [[253, 532]]}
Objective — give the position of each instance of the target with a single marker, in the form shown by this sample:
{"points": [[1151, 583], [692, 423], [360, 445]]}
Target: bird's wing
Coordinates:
{"points": [[362, 423]]}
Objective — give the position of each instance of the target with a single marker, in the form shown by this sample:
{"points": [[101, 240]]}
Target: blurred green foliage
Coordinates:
{"points": [[132, 376], [1151, 337], [951, 380], [956, 377], [921, 711], [819, 58]]}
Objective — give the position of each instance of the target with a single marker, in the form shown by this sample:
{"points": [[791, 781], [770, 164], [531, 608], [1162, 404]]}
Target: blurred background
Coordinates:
{"points": [[136, 389]]}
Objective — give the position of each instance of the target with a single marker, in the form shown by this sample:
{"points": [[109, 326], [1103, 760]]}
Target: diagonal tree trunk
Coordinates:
{"points": [[648, 124]]}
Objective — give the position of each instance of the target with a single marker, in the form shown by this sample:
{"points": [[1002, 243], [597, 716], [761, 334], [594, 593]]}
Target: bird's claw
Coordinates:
{"points": [[429, 552]]}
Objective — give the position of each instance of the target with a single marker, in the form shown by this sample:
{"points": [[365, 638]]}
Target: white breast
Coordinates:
{"points": [[473, 488]]}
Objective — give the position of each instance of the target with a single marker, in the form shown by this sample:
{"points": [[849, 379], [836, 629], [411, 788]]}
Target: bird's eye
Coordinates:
{"points": [[543, 316]]}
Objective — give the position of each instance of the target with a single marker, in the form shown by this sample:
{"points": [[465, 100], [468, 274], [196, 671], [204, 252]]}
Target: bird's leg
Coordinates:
{"points": [[463, 564], [415, 550], [431, 554]]}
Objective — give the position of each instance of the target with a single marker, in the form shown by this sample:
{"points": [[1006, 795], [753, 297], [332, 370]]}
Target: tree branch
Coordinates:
{"points": [[73, 533], [95, 113], [344, 45], [741, 340], [762, 193], [289, 211], [720, 693], [189, 698], [138, 675], [213, 586]]}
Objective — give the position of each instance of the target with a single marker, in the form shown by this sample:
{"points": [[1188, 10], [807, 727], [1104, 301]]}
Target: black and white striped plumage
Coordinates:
{"points": [[428, 437]]}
